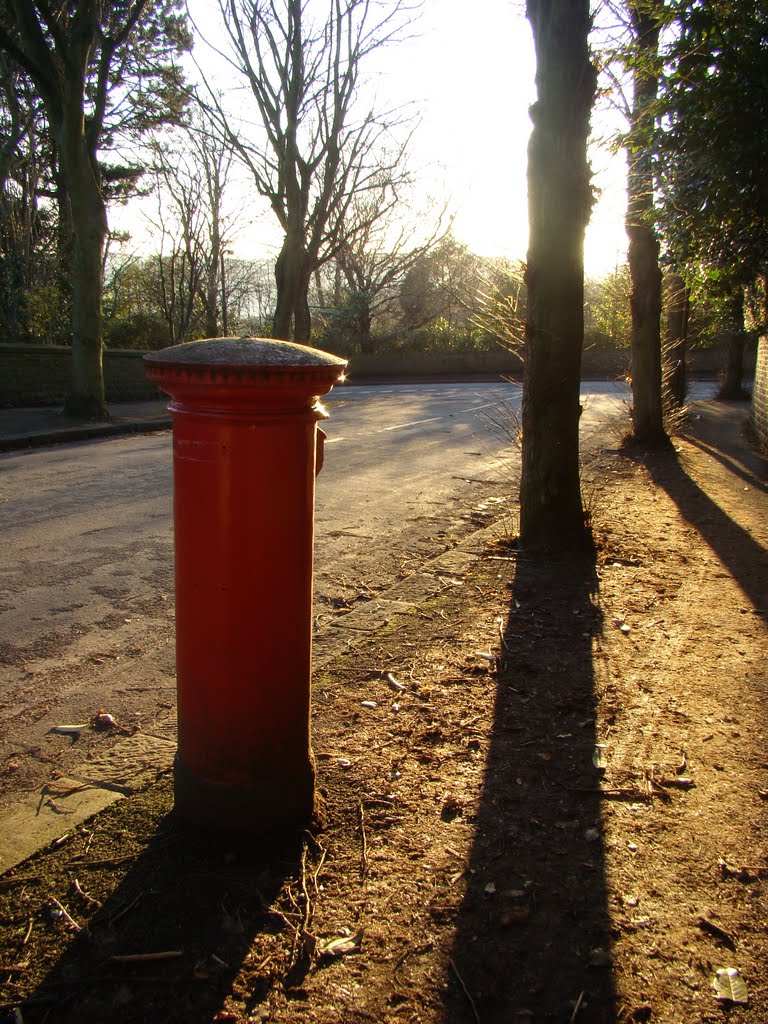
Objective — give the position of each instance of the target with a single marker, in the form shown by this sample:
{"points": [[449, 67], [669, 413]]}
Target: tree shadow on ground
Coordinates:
{"points": [[533, 940], [725, 440], [736, 466], [195, 905], [739, 552]]}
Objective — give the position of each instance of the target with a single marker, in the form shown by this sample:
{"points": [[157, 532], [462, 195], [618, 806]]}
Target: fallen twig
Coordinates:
{"points": [[67, 916], [316, 872], [676, 783], [58, 789], [504, 644], [304, 942], [110, 862], [577, 1007], [626, 793], [147, 958], [714, 929], [82, 893], [8, 883], [466, 992], [125, 909], [308, 905], [363, 839]]}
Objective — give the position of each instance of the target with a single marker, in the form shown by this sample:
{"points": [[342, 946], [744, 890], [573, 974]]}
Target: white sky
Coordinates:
{"points": [[470, 69]]}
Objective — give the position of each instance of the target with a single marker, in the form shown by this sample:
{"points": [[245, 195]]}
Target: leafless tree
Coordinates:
{"points": [[192, 169], [319, 148], [383, 240]]}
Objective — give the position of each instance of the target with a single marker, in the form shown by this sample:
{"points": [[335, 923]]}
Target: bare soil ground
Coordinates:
{"points": [[546, 797]]}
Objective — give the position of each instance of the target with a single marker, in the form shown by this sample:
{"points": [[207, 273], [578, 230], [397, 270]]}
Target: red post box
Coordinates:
{"points": [[246, 449]]}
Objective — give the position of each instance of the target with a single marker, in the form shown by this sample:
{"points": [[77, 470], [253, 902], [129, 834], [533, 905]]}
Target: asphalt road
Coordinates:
{"points": [[87, 527]]}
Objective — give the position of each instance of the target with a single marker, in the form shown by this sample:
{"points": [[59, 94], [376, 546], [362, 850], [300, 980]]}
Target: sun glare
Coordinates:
{"points": [[474, 78]]}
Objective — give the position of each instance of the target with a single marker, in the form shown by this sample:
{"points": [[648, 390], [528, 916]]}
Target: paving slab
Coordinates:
{"points": [[40, 818]]}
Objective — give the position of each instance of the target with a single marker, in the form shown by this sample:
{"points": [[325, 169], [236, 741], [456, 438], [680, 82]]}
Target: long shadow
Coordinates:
{"points": [[744, 556], [722, 437], [733, 465], [533, 939], [167, 942]]}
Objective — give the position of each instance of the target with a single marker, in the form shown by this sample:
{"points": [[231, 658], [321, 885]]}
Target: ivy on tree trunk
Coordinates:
{"points": [[559, 204], [75, 54]]}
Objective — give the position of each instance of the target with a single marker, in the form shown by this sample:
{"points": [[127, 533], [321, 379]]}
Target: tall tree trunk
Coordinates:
{"points": [[643, 251], [363, 325], [293, 273], [559, 204], [214, 272], [676, 339], [224, 299], [731, 385], [302, 319], [211, 298], [89, 231], [65, 254]]}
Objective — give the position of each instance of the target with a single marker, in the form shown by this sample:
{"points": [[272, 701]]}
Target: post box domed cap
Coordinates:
{"points": [[251, 352]]}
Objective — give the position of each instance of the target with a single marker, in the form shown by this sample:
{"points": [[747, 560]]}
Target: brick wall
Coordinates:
{"points": [[760, 392], [39, 375]]}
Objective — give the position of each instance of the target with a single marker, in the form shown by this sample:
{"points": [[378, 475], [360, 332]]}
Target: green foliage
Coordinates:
{"points": [[342, 323], [143, 329], [440, 336], [47, 315], [607, 316], [713, 141], [77, 82]]}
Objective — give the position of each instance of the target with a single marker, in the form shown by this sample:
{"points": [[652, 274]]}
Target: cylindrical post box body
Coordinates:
{"points": [[245, 443]]}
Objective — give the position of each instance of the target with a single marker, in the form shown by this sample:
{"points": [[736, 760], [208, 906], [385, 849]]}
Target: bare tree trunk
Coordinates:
{"points": [[364, 323], [293, 273], [643, 251], [676, 339], [89, 231], [302, 319], [211, 294], [559, 204], [731, 384]]}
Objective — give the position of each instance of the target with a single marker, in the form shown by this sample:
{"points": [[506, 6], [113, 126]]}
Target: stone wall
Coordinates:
{"points": [[760, 392]]}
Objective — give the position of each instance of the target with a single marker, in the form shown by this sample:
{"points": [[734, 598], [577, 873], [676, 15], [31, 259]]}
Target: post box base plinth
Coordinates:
{"points": [[266, 808]]}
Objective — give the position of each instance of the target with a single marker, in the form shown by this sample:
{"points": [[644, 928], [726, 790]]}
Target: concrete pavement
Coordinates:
{"points": [[35, 427]]}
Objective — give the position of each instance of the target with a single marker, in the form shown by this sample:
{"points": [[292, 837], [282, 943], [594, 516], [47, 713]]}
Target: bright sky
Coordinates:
{"points": [[474, 69], [470, 69]]}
